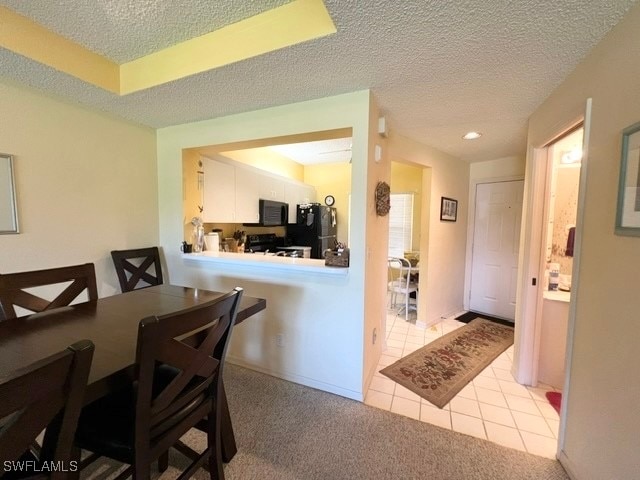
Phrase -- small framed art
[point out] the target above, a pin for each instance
(448, 209)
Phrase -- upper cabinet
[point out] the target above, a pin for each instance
(232, 191)
(219, 192)
(247, 191)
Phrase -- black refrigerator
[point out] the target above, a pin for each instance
(316, 227)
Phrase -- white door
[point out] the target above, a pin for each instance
(496, 238)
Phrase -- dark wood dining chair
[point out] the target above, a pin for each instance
(139, 273)
(13, 288)
(47, 394)
(176, 384)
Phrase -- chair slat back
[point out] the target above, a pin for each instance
(394, 270)
(47, 394)
(13, 288)
(138, 274)
(399, 272)
(193, 342)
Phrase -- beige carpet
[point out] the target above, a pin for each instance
(289, 432)
(439, 370)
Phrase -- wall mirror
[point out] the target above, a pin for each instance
(8, 207)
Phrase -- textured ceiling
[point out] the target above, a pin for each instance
(337, 150)
(438, 69)
(123, 30)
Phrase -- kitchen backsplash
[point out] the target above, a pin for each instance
(229, 228)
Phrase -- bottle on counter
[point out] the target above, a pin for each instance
(198, 239)
(554, 276)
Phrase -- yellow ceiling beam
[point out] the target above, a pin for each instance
(29, 39)
(290, 24)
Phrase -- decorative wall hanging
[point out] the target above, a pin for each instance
(448, 209)
(383, 198)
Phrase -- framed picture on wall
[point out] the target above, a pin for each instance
(8, 209)
(628, 211)
(448, 209)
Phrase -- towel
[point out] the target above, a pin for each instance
(570, 241)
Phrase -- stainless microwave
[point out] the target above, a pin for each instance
(273, 214)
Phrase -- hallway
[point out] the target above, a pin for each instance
(492, 407)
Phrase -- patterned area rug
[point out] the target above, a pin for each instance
(468, 316)
(439, 370)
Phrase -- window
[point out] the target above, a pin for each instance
(400, 224)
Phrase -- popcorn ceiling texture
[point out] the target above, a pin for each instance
(123, 30)
(437, 69)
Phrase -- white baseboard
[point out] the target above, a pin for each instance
(567, 465)
(370, 374)
(308, 382)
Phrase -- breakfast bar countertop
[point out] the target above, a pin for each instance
(307, 334)
(271, 262)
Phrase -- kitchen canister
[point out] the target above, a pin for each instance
(212, 242)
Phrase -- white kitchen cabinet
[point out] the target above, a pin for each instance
(251, 186)
(219, 192)
(248, 183)
(272, 188)
(232, 192)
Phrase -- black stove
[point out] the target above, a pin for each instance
(263, 242)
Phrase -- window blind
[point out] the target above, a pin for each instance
(400, 224)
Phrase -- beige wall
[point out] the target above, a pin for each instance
(333, 179)
(86, 184)
(268, 160)
(603, 418)
(376, 241)
(326, 347)
(441, 291)
(191, 191)
(498, 168)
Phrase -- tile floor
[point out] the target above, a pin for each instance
(492, 407)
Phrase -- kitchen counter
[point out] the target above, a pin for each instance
(267, 262)
(553, 337)
(311, 328)
(557, 295)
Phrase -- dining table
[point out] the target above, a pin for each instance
(111, 323)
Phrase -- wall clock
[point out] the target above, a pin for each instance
(329, 200)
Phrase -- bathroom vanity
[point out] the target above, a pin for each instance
(553, 338)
